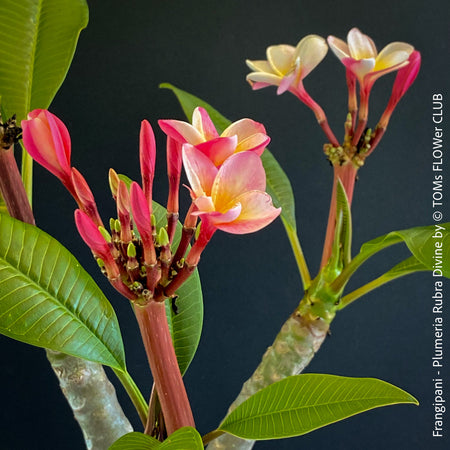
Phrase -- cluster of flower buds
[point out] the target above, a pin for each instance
(286, 67)
(227, 186)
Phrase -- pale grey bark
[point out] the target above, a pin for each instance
(292, 350)
(92, 398)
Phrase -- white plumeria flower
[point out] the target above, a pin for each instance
(286, 66)
(360, 56)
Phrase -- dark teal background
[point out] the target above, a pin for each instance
(250, 282)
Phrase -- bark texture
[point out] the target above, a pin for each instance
(294, 347)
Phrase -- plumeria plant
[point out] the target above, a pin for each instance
(150, 254)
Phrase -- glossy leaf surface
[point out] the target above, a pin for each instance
(48, 300)
(430, 245)
(38, 42)
(186, 438)
(302, 403)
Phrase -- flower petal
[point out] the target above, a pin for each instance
(219, 149)
(218, 219)
(240, 173)
(267, 79)
(200, 170)
(257, 212)
(286, 82)
(360, 45)
(255, 143)
(338, 47)
(280, 58)
(244, 128)
(260, 66)
(311, 50)
(203, 124)
(181, 131)
(359, 67)
(393, 54)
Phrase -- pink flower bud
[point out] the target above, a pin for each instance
(147, 157)
(48, 142)
(123, 211)
(142, 219)
(85, 198)
(403, 81)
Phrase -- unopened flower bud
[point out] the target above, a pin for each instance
(104, 232)
(131, 250)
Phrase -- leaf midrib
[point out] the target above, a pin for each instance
(33, 53)
(54, 299)
(286, 410)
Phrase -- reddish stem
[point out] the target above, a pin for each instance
(164, 366)
(12, 189)
(347, 175)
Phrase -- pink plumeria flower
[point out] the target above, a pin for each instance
(231, 198)
(360, 56)
(243, 135)
(286, 66)
(47, 140)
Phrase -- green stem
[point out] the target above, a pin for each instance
(358, 260)
(27, 173)
(298, 254)
(363, 290)
(134, 393)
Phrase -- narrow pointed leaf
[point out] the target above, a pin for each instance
(38, 42)
(343, 208)
(302, 403)
(430, 245)
(278, 184)
(186, 438)
(409, 265)
(186, 324)
(48, 300)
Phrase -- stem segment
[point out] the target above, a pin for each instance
(298, 254)
(172, 394)
(134, 393)
(12, 188)
(347, 175)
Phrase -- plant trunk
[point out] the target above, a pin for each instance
(294, 347)
(92, 398)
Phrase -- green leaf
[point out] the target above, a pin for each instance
(345, 220)
(278, 184)
(136, 441)
(186, 438)
(186, 325)
(302, 403)
(409, 265)
(38, 42)
(430, 245)
(47, 299)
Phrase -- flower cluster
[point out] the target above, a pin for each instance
(287, 66)
(227, 186)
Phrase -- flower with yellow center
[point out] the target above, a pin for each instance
(360, 56)
(286, 66)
